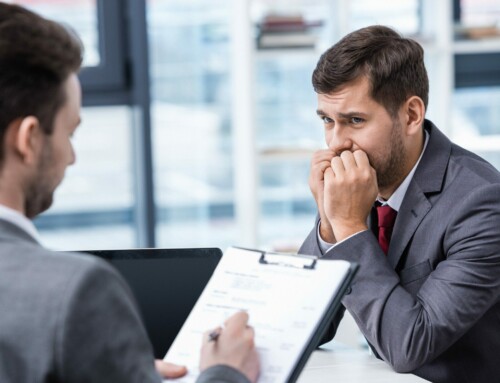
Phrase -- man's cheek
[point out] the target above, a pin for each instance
(373, 162)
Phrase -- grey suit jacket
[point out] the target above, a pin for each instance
(432, 305)
(71, 318)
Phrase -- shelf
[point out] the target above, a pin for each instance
(277, 53)
(477, 46)
(287, 153)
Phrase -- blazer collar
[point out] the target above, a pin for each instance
(428, 178)
(11, 232)
(431, 170)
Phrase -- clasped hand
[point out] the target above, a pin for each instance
(345, 188)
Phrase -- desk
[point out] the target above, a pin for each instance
(341, 364)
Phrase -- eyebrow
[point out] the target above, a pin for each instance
(345, 116)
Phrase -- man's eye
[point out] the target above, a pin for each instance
(326, 120)
(356, 120)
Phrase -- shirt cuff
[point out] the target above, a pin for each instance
(324, 246)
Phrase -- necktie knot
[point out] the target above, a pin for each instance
(386, 216)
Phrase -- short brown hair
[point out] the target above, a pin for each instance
(393, 64)
(36, 57)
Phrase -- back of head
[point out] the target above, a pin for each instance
(393, 64)
(36, 57)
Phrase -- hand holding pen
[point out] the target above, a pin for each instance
(214, 334)
(232, 345)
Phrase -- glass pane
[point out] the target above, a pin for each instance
(402, 15)
(190, 80)
(93, 208)
(475, 13)
(287, 125)
(287, 206)
(286, 101)
(81, 15)
(477, 111)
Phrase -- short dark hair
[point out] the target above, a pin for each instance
(393, 64)
(36, 57)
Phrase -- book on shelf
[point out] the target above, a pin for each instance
(477, 32)
(284, 23)
(286, 31)
(286, 40)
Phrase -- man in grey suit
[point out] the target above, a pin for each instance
(419, 214)
(68, 318)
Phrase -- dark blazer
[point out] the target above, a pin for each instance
(432, 305)
(71, 318)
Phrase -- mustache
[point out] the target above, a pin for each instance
(370, 157)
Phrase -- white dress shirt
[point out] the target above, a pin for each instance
(394, 201)
(18, 219)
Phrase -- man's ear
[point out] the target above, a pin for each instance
(27, 139)
(414, 110)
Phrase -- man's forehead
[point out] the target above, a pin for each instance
(354, 95)
(358, 87)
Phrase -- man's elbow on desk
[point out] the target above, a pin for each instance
(407, 359)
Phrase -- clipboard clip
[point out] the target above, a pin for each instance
(288, 260)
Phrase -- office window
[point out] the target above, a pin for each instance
(476, 99)
(479, 12)
(81, 15)
(475, 117)
(402, 15)
(191, 127)
(93, 207)
(288, 130)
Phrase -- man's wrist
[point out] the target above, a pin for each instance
(326, 232)
(346, 230)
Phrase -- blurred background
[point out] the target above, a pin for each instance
(199, 116)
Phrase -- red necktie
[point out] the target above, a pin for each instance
(386, 218)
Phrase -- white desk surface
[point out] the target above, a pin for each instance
(341, 364)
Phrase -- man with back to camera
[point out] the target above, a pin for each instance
(68, 318)
(419, 214)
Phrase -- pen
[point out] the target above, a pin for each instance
(212, 337)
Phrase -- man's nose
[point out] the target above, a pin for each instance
(338, 143)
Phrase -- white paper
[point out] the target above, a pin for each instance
(285, 305)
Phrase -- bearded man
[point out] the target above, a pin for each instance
(420, 214)
(69, 317)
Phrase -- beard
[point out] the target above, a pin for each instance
(391, 169)
(36, 202)
(40, 193)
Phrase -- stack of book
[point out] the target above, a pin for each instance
(477, 31)
(287, 31)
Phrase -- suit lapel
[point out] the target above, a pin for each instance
(412, 212)
(428, 178)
